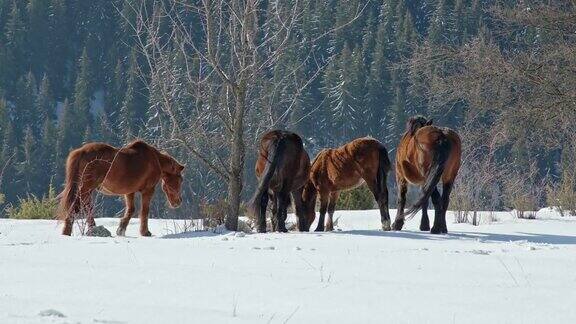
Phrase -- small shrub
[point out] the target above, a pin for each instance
(35, 208)
(563, 194)
(360, 198)
(213, 214)
(523, 192)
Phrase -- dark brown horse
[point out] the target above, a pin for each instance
(137, 167)
(282, 169)
(427, 155)
(364, 160)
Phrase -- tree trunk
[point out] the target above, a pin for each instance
(236, 163)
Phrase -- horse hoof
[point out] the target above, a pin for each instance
(425, 228)
(262, 230)
(319, 229)
(147, 233)
(435, 230)
(397, 226)
(121, 231)
(386, 226)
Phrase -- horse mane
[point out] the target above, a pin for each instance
(164, 158)
(416, 122)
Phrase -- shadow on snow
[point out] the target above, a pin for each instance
(482, 236)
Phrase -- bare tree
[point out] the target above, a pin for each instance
(209, 70)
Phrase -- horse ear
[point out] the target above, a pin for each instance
(429, 122)
(180, 167)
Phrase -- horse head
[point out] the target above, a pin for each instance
(415, 123)
(308, 204)
(172, 180)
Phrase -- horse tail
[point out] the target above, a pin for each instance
(275, 154)
(69, 200)
(439, 159)
(384, 167)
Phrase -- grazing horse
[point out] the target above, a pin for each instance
(282, 169)
(427, 154)
(364, 160)
(137, 167)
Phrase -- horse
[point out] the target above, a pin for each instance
(136, 167)
(282, 169)
(427, 154)
(364, 160)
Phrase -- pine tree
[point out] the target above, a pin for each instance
(344, 94)
(88, 135)
(48, 154)
(8, 141)
(45, 106)
(15, 30)
(133, 107)
(69, 134)
(83, 94)
(58, 54)
(38, 35)
(4, 118)
(460, 19)
(24, 111)
(474, 18)
(399, 115)
(443, 24)
(30, 171)
(379, 95)
(104, 131)
(116, 91)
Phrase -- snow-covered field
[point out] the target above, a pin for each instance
(510, 271)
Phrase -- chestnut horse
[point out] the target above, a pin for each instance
(137, 167)
(282, 169)
(427, 154)
(364, 160)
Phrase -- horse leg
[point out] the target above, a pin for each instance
(87, 210)
(68, 223)
(274, 219)
(324, 197)
(262, 214)
(402, 189)
(283, 200)
(425, 221)
(382, 200)
(446, 190)
(436, 201)
(303, 225)
(128, 212)
(331, 207)
(146, 198)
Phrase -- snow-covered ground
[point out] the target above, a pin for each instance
(510, 271)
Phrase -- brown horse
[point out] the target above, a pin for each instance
(364, 160)
(282, 169)
(137, 167)
(427, 154)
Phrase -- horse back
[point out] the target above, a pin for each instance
(131, 168)
(294, 167)
(345, 167)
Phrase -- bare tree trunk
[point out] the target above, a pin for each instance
(236, 162)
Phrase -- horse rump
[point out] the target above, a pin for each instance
(439, 158)
(257, 205)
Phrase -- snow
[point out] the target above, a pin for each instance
(510, 271)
